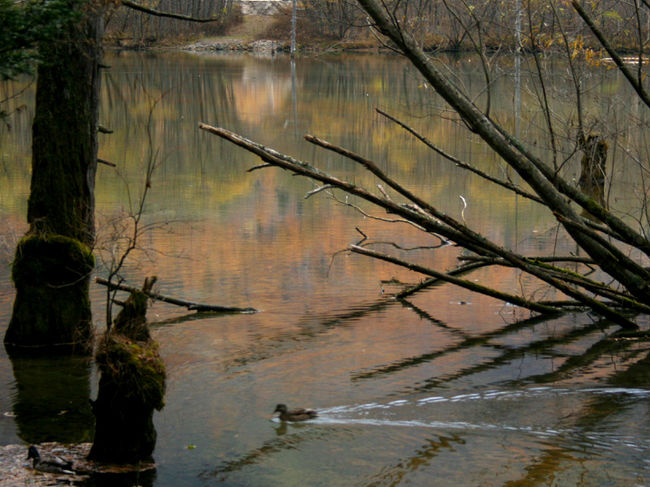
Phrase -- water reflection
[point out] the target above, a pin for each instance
(445, 387)
(560, 445)
(50, 401)
(146, 478)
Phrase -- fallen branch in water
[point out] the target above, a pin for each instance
(435, 222)
(192, 306)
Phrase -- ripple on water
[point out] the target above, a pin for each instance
(413, 413)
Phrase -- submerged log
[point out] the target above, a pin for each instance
(131, 387)
(192, 306)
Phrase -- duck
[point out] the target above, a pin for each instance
(292, 415)
(53, 464)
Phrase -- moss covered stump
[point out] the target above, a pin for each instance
(131, 387)
(52, 308)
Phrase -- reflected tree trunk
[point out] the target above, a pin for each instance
(51, 399)
(592, 168)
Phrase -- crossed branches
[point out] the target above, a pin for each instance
(587, 293)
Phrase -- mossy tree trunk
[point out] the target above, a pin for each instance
(131, 387)
(53, 261)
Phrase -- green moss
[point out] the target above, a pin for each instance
(136, 368)
(52, 306)
(131, 322)
(51, 259)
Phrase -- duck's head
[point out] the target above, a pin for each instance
(280, 408)
(32, 452)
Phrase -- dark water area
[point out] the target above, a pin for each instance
(446, 388)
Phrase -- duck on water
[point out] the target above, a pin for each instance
(293, 415)
(53, 464)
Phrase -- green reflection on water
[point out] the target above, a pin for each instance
(50, 401)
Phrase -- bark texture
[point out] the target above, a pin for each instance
(131, 387)
(61, 204)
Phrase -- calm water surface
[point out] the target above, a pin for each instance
(448, 388)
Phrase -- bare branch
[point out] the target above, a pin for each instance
(427, 217)
(259, 166)
(638, 87)
(460, 163)
(317, 190)
(170, 15)
(427, 283)
(541, 177)
(190, 305)
(472, 286)
(107, 163)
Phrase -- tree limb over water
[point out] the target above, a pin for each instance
(190, 305)
(171, 15)
(433, 221)
(606, 240)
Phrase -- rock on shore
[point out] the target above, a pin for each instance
(259, 46)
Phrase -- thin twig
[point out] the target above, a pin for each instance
(458, 162)
(317, 190)
(472, 286)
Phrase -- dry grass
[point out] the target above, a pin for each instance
(250, 28)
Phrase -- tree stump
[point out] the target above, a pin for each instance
(131, 387)
(592, 168)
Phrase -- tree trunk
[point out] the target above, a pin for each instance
(52, 267)
(132, 385)
(592, 169)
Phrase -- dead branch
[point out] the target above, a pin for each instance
(317, 190)
(170, 15)
(426, 216)
(560, 258)
(638, 87)
(472, 286)
(190, 305)
(458, 162)
(433, 281)
(272, 157)
(108, 163)
(260, 166)
(539, 175)
(598, 288)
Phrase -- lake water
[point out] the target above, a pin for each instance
(447, 388)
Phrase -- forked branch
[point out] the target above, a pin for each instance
(431, 220)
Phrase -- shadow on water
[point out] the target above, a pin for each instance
(394, 474)
(600, 410)
(506, 354)
(140, 479)
(577, 437)
(285, 440)
(50, 401)
(561, 442)
(51, 404)
(309, 329)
